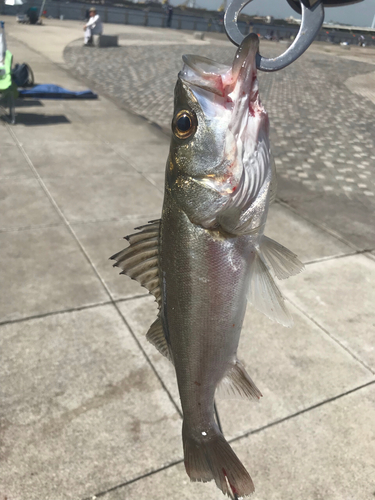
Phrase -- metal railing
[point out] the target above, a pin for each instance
(146, 17)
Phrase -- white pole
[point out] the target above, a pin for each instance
(373, 23)
(42, 8)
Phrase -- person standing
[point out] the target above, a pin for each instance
(93, 26)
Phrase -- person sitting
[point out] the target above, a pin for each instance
(93, 27)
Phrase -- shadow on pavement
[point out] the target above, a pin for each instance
(28, 103)
(33, 119)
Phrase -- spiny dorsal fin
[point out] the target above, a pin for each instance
(264, 294)
(237, 382)
(141, 258)
(156, 337)
(283, 262)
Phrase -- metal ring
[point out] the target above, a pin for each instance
(312, 20)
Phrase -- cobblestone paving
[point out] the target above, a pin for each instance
(323, 135)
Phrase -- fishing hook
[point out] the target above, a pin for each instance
(312, 20)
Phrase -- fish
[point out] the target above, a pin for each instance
(208, 256)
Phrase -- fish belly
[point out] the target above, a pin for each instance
(204, 278)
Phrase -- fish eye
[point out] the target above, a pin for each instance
(184, 124)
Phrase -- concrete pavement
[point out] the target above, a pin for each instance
(88, 407)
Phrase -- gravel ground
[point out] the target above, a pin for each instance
(323, 134)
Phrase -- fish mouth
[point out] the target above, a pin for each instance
(230, 95)
(221, 79)
(231, 88)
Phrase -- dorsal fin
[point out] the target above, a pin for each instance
(141, 258)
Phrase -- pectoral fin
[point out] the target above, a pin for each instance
(264, 294)
(237, 382)
(283, 262)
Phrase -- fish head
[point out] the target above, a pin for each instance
(217, 124)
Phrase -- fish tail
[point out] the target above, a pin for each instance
(210, 457)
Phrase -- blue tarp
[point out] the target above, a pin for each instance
(50, 91)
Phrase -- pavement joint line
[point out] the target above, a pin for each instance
(55, 313)
(126, 483)
(237, 438)
(71, 309)
(331, 336)
(319, 225)
(128, 218)
(133, 297)
(86, 256)
(340, 256)
(148, 359)
(301, 412)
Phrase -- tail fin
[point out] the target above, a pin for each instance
(210, 457)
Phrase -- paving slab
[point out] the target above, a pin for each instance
(108, 196)
(152, 157)
(339, 295)
(353, 219)
(171, 482)
(5, 136)
(83, 413)
(103, 239)
(123, 128)
(43, 271)
(326, 453)
(294, 368)
(13, 162)
(306, 240)
(323, 454)
(60, 158)
(140, 313)
(24, 203)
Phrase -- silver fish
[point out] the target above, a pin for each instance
(208, 255)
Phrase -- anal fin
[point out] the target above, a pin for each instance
(237, 382)
(156, 337)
